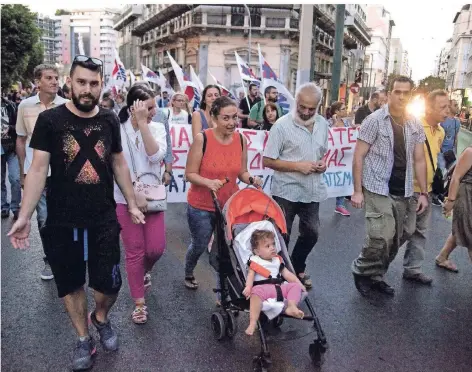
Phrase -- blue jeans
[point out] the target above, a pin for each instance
(11, 160)
(41, 216)
(340, 201)
(201, 224)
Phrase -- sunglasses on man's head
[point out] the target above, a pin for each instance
(82, 58)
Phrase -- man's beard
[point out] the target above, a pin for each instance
(273, 100)
(303, 120)
(82, 106)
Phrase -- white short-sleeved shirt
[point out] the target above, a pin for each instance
(28, 112)
(144, 162)
(289, 141)
(181, 118)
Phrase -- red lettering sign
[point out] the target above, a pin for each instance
(183, 137)
(177, 158)
(350, 133)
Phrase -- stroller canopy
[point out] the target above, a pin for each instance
(251, 205)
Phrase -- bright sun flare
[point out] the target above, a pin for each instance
(416, 107)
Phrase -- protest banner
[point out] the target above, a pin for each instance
(338, 176)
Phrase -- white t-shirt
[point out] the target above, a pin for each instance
(181, 118)
(144, 162)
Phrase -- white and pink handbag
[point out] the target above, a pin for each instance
(155, 193)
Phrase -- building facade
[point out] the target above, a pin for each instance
(206, 37)
(459, 63)
(89, 32)
(398, 60)
(47, 25)
(380, 22)
(443, 60)
(356, 38)
(128, 44)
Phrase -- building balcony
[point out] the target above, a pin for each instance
(325, 16)
(359, 28)
(129, 14)
(157, 16)
(192, 23)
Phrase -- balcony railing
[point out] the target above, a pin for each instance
(228, 21)
(130, 13)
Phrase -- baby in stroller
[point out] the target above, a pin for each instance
(267, 278)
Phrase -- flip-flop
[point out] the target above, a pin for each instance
(447, 265)
(191, 283)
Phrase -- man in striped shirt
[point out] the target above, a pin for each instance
(389, 154)
(297, 144)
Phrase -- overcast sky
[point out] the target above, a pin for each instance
(423, 29)
(423, 26)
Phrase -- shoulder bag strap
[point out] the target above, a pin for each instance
(130, 147)
(204, 143)
(430, 155)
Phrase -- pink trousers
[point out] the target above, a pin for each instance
(290, 291)
(144, 245)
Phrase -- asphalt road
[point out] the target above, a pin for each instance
(420, 329)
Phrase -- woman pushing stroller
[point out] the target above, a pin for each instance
(266, 272)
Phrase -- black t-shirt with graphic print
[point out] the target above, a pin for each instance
(80, 193)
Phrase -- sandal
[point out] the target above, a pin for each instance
(147, 281)
(306, 281)
(190, 282)
(139, 315)
(446, 265)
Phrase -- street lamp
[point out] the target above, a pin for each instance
(249, 51)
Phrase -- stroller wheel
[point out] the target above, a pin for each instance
(232, 325)
(277, 322)
(258, 365)
(316, 353)
(218, 325)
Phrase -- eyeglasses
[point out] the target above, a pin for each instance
(82, 58)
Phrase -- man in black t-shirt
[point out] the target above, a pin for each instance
(246, 104)
(81, 142)
(374, 104)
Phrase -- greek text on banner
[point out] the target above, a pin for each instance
(338, 176)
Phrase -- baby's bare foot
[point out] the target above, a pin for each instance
(294, 312)
(250, 330)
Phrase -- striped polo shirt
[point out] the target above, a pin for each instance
(28, 112)
(289, 141)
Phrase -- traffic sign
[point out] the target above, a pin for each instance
(354, 88)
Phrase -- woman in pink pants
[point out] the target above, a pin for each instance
(144, 244)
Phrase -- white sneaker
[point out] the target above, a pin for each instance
(47, 274)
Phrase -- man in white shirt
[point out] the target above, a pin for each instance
(176, 113)
(47, 79)
(295, 150)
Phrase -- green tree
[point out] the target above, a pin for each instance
(19, 36)
(431, 83)
(35, 58)
(60, 12)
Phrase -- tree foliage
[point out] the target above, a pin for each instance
(431, 83)
(35, 58)
(19, 37)
(60, 12)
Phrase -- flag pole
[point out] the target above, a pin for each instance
(242, 80)
(262, 71)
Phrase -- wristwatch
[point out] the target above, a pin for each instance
(424, 194)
